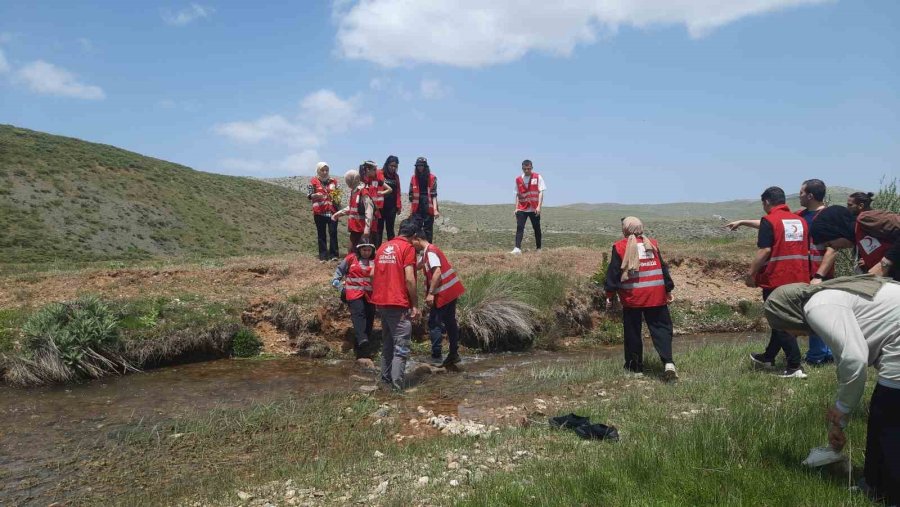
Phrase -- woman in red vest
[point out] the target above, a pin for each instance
(423, 197)
(393, 204)
(360, 211)
(641, 279)
(442, 288)
(373, 177)
(356, 273)
(320, 192)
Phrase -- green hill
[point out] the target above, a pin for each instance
(63, 198)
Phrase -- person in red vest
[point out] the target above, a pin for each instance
(356, 273)
(423, 198)
(319, 192)
(373, 177)
(394, 295)
(393, 204)
(782, 258)
(360, 211)
(838, 228)
(530, 189)
(638, 275)
(442, 288)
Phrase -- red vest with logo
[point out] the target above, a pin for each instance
(323, 205)
(389, 277)
(415, 194)
(789, 260)
(648, 289)
(358, 282)
(356, 221)
(870, 249)
(449, 287)
(529, 194)
(816, 251)
(376, 185)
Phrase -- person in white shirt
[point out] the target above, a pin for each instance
(530, 189)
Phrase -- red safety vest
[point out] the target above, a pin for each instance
(789, 260)
(389, 277)
(816, 251)
(530, 194)
(323, 205)
(356, 221)
(358, 282)
(869, 248)
(415, 194)
(375, 185)
(450, 286)
(649, 288)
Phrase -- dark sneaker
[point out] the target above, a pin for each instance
(451, 360)
(761, 361)
(793, 373)
(569, 421)
(437, 361)
(598, 432)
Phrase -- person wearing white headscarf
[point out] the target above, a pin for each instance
(640, 278)
(321, 191)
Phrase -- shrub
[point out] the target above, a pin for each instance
(497, 311)
(246, 343)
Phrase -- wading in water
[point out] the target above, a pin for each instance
(355, 271)
(640, 277)
(442, 288)
(322, 191)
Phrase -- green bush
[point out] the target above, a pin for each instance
(246, 343)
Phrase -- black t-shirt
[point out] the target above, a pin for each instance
(390, 200)
(766, 236)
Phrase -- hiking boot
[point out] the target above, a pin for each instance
(598, 432)
(670, 375)
(516, 251)
(570, 421)
(761, 361)
(793, 373)
(451, 360)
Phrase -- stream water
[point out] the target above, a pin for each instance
(45, 431)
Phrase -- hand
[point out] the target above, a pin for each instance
(437, 214)
(836, 417)
(670, 297)
(609, 304)
(815, 281)
(836, 438)
(749, 281)
(537, 212)
(877, 270)
(429, 300)
(414, 313)
(336, 284)
(733, 226)
(334, 218)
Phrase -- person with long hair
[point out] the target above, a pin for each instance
(640, 278)
(423, 197)
(393, 204)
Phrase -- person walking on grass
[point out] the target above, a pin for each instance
(812, 198)
(321, 191)
(394, 295)
(859, 318)
(442, 288)
(530, 189)
(355, 271)
(423, 197)
(393, 204)
(373, 177)
(360, 211)
(782, 258)
(640, 277)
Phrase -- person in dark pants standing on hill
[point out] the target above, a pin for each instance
(530, 189)
(393, 204)
(321, 192)
(641, 279)
(423, 197)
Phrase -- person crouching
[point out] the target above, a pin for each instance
(356, 272)
(641, 279)
(442, 288)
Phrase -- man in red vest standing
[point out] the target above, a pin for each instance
(423, 199)
(782, 258)
(530, 189)
(442, 288)
(394, 294)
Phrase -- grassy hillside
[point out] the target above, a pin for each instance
(63, 198)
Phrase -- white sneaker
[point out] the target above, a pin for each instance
(821, 456)
(516, 251)
(670, 375)
(793, 373)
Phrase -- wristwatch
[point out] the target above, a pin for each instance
(818, 276)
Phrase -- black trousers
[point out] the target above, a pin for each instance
(386, 225)
(660, 324)
(440, 320)
(326, 224)
(882, 466)
(362, 314)
(521, 217)
(427, 224)
(782, 340)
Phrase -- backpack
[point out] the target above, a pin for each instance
(880, 224)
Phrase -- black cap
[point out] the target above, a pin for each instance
(422, 161)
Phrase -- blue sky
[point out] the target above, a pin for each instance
(615, 100)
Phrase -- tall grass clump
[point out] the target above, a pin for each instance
(246, 343)
(64, 342)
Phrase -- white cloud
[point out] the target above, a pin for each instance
(46, 78)
(275, 128)
(433, 89)
(4, 65)
(474, 33)
(187, 15)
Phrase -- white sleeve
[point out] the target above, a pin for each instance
(541, 185)
(433, 260)
(837, 326)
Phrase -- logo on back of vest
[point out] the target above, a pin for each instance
(869, 244)
(793, 230)
(643, 253)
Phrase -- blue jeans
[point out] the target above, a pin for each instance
(818, 350)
